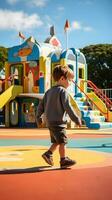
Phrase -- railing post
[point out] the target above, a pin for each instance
(76, 88)
(107, 114)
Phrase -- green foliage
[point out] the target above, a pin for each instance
(3, 56)
(99, 62)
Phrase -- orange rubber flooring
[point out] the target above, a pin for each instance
(86, 183)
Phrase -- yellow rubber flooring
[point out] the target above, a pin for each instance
(30, 156)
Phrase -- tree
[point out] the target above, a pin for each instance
(3, 56)
(99, 62)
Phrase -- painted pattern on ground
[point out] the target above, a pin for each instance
(17, 157)
(25, 152)
(96, 144)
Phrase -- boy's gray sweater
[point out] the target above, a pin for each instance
(56, 105)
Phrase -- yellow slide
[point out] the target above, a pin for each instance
(10, 94)
(101, 105)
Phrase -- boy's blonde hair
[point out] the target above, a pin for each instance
(64, 71)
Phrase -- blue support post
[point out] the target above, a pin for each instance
(76, 89)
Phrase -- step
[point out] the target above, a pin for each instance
(90, 119)
(102, 125)
(83, 108)
(80, 103)
(86, 113)
(80, 95)
(79, 99)
(94, 112)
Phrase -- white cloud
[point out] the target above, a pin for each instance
(12, 1)
(86, 2)
(18, 20)
(87, 28)
(75, 25)
(37, 3)
(61, 8)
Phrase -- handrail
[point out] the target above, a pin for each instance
(92, 100)
(107, 92)
(6, 79)
(9, 78)
(99, 92)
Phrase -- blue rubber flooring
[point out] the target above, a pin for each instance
(98, 144)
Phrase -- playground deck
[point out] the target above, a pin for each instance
(24, 174)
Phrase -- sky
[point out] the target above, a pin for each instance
(90, 21)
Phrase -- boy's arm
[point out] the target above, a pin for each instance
(69, 109)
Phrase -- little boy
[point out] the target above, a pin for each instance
(55, 106)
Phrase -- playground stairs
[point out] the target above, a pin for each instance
(91, 117)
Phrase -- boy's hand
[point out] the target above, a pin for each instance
(39, 122)
(80, 124)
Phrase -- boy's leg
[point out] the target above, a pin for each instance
(47, 156)
(62, 149)
(65, 161)
(53, 147)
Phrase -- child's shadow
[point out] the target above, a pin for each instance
(31, 170)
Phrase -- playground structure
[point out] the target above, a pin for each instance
(28, 76)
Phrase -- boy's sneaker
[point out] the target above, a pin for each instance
(67, 162)
(48, 158)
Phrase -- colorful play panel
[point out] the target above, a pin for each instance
(25, 175)
(28, 76)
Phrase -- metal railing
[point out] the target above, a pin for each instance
(107, 92)
(98, 92)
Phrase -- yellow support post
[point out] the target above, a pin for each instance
(63, 61)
